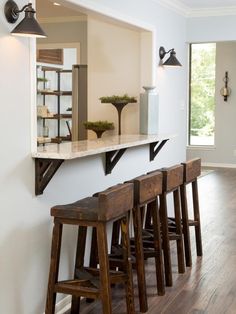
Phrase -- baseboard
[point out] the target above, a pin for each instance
(63, 305)
(218, 165)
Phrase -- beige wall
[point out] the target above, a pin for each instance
(114, 68)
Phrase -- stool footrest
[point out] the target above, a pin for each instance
(77, 287)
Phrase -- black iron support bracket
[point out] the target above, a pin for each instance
(155, 147)
(112, 159)
(44, 171)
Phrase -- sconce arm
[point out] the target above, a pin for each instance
(24, 7)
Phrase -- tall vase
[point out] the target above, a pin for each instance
(149, 111)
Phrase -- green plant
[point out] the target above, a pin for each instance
(42, 79)
(99, 125)
(118, 99)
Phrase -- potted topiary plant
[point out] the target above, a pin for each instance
(99, 127)
(119, 102)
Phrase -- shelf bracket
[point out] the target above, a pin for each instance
(112, 159)
(44, 171)
(155, 147)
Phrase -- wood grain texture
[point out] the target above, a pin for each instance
(210, 285)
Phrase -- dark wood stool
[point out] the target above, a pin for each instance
(146, 190)
(89, 282)
(192, 169)
(172, 180)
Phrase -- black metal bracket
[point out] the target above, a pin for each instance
(155, 148)
(112, 159)
(44, 171)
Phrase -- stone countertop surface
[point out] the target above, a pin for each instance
(72, 150)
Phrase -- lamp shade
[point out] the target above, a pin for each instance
(29, 26)
(172, 60)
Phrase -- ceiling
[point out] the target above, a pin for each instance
(46, 9)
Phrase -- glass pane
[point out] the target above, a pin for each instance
(202, 94)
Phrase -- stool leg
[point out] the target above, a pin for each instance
(165, 240)
(197, 218)
(140, 260)
(94, 249)
(105, 288)
(148, 219)
(185, 223)
(127, 259)
(115, 234)
(157, 247)
(180, 251)
(79, 263)
(54, 267)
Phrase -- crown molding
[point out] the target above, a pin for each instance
(178, 7)
(216, 11)
(62, 19)
(175, 6)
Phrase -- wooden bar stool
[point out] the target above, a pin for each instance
(192, 169)
(89, 282)
(146, 190)
(172, 180)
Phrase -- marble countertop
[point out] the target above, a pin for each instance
(72, 150)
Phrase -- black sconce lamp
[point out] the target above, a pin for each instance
(225, 91)
(28, 26)
(172, 60)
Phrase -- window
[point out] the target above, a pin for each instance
(202, 94)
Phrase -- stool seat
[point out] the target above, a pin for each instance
(110, 204)
(84, 209)
(172, 177)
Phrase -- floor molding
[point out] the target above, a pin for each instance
(218, 165)
(63, 305)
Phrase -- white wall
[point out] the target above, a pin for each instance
(25, 232)
(211, 29)
(225, 112)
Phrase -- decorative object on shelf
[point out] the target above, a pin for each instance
(172, 60)
(28, 26)
(43, 112)
(119, 102)
(45, 131)
(99, 127)
(225, 91)
(46, 84)
(149, 111)
(69, 109)
(51, 56)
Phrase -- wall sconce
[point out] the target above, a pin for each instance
(172, 60)
(28, 26)
(225, 91)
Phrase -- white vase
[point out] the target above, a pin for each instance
(149, 111)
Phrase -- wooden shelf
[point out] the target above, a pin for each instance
(56, 93)
(59, 116)
(58, 140)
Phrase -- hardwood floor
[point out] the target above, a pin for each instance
(209, 286)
